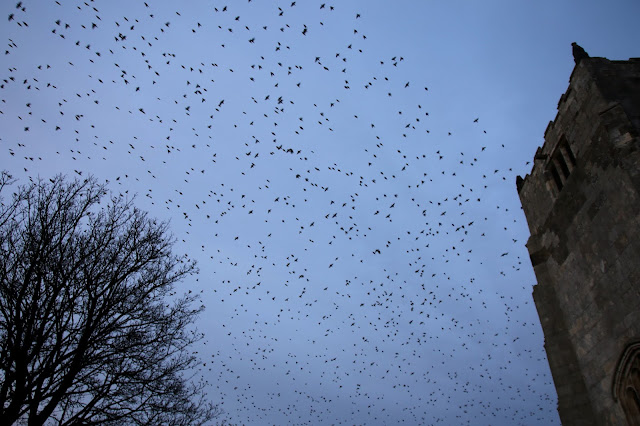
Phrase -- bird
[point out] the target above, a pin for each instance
(338, 243)
(578, 53)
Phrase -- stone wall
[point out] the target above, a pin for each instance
(582, 203)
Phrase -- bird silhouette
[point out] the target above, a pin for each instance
(355, 265)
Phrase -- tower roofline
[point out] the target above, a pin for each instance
(594, 67)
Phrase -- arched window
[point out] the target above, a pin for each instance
(626, 383)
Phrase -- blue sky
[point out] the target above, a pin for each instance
(358, 233)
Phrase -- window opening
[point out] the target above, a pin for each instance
(566, 149)
(561, 165)
(556, 178)
(626, 383)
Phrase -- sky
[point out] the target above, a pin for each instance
(343, 173)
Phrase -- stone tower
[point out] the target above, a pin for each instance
(582, 204)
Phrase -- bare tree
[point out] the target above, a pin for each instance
(91, 331)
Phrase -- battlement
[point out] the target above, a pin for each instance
(602, 96)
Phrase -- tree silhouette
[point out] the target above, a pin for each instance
(91, 331)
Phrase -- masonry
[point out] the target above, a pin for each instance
(582, 204)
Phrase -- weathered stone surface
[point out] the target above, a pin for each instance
(582, 203)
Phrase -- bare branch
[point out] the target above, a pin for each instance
(89, 332)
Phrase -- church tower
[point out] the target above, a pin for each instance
(582, 204)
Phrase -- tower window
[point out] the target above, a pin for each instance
(566, 150)
(561, 165)
(626, 383)
(556, 178)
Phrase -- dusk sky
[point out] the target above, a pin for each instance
(343, 173)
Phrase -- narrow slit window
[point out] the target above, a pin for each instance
(556, 178)
(572, 157)
(563, 165)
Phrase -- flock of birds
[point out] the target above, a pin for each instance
(361, 261)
